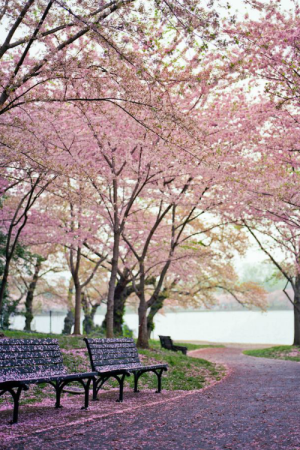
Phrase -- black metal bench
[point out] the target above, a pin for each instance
(35, 361)
(167, 343)
(118, 358)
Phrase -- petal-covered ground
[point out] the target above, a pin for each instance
(256, 406)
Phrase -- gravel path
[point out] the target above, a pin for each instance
(257, 406)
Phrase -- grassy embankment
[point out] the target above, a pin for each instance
(286, 352)
(185, 373)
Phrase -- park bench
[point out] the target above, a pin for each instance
(167, 343)
(35, 361)
(118, 358)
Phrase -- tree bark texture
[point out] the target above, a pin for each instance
(4, 283)
(297, 311)
(142, 341)
(89, 311)
(77, 308)
(122, 292)
(68, 322)
(111, 288)
(155, 307)
(30, 295)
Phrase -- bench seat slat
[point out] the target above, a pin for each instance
(45, 367)
(128, 367)
(150, 367)
(40, 378)
(114, 356)
(111, 341)
(42, 341)
(123, 358)
(116, 368)
(28, 362)
(27, 348)
(107, 362)
(112, 346)
(28, 355)
(111, 351)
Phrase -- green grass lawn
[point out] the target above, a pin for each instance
(286, 352)
(185, 373)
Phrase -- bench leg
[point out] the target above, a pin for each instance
(86, 393)
(136, 379)
(97, 385)
(158, 373)
(16, 397)
(58, 388)
(95, 392)
(121, 383)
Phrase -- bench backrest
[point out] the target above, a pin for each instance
(30, 358)
(112, 353)
(166, 342)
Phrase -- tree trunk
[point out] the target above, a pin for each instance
(111, 288)
(142, 341)
(30, 296)
(297, 311)
(87, 321)
(69, 319)
(9, 308)
(4, 283)
(68, 322)
(157, 305)
(86, 324)
(122, 292)
(89, 314)
(77, 308)
(119, 310)
(93, 312)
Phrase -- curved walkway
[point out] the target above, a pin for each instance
(257, 406)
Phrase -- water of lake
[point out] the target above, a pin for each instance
(249, 327)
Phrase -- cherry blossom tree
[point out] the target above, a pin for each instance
(54, 44)
(128, 162)
(58, 53)
(23, 181)
(267, 55)
(196, 280)
(151, 129)
(175, 242)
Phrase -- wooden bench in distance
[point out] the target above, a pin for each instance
(118, 358)
(167, 343)
(35, 361)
